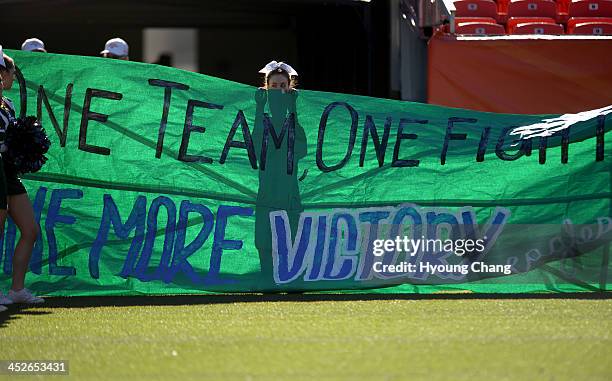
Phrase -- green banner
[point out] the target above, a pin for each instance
(162, 181)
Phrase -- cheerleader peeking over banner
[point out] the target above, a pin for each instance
(278, 177)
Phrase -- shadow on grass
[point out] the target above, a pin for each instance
(15, 311)
(179, 300)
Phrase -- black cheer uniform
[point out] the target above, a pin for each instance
(11, 178)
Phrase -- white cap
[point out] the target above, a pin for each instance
(33, 45)
(2, 63)
(116, 47)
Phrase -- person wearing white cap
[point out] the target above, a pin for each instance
(14, 196)
(116, 48)
(33, 45)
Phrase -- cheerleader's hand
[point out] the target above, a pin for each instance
(261, 96)
(293, 94)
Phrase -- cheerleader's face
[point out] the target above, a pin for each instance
(279, 82)
(7, 78)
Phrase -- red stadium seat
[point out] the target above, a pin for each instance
(446, 27)
(534, 25)
(502, 5)
(502, 10)
(460, 20)
(475, 19)
(597, 26)
(476, 8)
(563, 5)
(562, 10)
(538, 28)
(592, 28)
(479, 28)
(512, 22)
(590, 8)
(577, 20)
(532, 8)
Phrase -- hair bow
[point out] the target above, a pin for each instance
(273, 65)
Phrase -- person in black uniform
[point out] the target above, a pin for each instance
(4, 120)
(14, 196)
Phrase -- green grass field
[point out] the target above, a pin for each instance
(317, 337)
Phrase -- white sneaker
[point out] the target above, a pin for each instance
(4, 299)
(3, 308)
(24, 296)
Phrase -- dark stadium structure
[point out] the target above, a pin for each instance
(339, 46)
